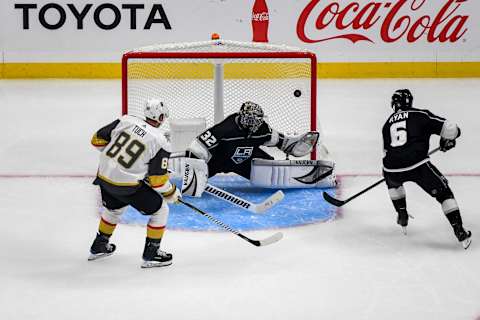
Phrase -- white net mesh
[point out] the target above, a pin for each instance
(281, 86)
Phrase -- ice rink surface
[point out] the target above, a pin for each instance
(358, 266)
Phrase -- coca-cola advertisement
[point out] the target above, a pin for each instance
(385, 21)
(340, 31)
(260, 21)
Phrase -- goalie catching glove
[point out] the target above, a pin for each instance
(299, 146)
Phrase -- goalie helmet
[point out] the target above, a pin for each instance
(156, 111)
(402, 99)
(251, 116)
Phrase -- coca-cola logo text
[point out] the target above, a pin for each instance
(351, 19)
(262, 16)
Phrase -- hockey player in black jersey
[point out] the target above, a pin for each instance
(233, 144)
(406, 136)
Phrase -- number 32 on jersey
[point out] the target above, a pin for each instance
(209, 139)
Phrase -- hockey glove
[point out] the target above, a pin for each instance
(447, 144)
(172, 195)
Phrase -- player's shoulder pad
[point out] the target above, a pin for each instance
(427, 113)
(127, 117)
(166, 145)
(161, 140)
(226, 128)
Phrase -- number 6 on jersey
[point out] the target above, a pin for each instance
(398, 134)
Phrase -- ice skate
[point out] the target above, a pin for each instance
(154, 257)
(463, 236)
(101, 248)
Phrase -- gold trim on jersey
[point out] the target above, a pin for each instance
(118, 184)
(157, 181)
(169, 192)
(98, 142)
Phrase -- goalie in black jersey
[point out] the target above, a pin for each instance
(233, 145)
(406, 137)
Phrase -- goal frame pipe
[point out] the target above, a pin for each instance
(228, 55)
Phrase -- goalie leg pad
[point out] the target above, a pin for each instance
(293, 173)
(194, 177)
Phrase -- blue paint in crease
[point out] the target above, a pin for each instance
(299, 207)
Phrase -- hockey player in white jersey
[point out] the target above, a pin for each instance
(133, 171)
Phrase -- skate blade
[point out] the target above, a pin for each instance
(466, 243)
(155, 264)
(97, 256)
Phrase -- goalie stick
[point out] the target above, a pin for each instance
(242, 203)
(339, 203)
(259, 243)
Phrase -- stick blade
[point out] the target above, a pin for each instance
(272, 239)
(332, 200)
(270, 202)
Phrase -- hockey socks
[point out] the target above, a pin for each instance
(106, 228)
(155, 232)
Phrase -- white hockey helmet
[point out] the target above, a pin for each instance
(155, 110)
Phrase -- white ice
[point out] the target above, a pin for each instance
(358, 266)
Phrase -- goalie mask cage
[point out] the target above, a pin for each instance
(212, 79)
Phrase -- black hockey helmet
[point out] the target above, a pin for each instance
(402, 99)
(251, 116)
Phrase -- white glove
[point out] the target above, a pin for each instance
(173, 195)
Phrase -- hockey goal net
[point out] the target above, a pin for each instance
(210, 80)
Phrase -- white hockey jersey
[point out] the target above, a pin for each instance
(132, 151)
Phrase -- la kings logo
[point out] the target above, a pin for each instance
(242, 154)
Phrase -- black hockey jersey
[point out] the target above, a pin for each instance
(230, 144)
(406, 138)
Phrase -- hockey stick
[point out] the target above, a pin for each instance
(339, 203)
(265, 242)
(242, 203)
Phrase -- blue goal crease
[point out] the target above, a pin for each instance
(299, 207)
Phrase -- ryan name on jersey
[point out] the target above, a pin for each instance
(398, 116)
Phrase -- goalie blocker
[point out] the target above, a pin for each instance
(293, 173)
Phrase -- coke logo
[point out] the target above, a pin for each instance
(385, 16)
(262, 16)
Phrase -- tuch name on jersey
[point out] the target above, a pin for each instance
(139, 131)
